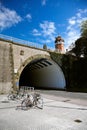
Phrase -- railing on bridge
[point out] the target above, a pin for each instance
(24, 42)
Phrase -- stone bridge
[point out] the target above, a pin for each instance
(22, 65)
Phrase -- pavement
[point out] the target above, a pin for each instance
(55, 115)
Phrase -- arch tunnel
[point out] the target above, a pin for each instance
(42, 73)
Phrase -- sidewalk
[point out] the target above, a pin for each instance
(56, 115)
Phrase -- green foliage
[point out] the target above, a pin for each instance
(56, 57)
(84, 28)
(80, 48)
(74, 69)
(45, 46)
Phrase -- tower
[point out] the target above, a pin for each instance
(59, 44)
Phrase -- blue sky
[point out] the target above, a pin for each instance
(40, 21)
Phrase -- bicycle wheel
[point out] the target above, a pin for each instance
(11, 97)
(24, 105)
(40, 103)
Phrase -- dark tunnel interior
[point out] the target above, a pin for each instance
(42, 73)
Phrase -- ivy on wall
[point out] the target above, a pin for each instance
(74, 69)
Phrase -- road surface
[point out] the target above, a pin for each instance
(73, 97)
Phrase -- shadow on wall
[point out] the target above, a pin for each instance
(75, 71)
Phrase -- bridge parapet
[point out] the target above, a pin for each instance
(24, 42)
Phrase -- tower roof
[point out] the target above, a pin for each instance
(59, 38)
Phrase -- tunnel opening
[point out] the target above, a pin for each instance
(43, 74)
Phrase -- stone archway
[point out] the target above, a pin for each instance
(41, 72)
(23, 65)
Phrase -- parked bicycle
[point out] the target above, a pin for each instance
(28, 97)
(32, 100)
(16, 95)
(21, 93)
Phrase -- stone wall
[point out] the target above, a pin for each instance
(22, 52)
(12, 57)
(5, 68)
(74, 69)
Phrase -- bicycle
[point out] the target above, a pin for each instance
(32, 100)
(15, 95)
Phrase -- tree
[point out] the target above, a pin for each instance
(80, 48)
(71, 46)
(84, 28)
(45, 46)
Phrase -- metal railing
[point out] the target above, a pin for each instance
(24, 42)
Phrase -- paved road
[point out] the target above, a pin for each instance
(73, 97)
(56, 115)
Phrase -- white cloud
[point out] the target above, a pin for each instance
(46, 31)
(29, 17)
(8, 17)
(48, 28)
(82, 11)
(72, 21)
(36, 32)
(43, 2)
(78, 15)
(71, 36)
(73, 28)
